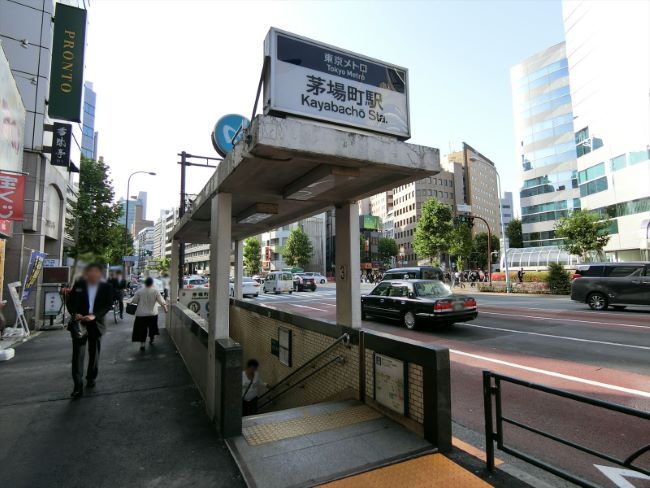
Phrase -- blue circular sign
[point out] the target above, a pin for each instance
(225, 130)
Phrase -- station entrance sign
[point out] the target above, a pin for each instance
(319, 81)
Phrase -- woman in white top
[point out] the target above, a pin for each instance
(146, 315)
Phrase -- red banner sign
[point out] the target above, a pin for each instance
(12, 196)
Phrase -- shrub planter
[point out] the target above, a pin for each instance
(530, 287)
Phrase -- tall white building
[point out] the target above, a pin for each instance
(608, 51)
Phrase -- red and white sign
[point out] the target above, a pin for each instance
(4, 227)
(12, 196)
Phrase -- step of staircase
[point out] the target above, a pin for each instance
(314, 444)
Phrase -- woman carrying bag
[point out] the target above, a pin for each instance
(146, 301)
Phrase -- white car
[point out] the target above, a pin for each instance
(249, 287)
(318, 278)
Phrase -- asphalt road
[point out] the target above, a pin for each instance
(546, 340)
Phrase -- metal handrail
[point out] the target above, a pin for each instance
(337, 359)
(345, 337)
(491, 391)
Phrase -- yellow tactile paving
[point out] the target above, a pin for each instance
(433, 470)
(261, 434)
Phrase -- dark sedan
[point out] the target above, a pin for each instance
(415, 301)
(302, 282)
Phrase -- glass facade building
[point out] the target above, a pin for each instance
(546, 145)
(88, 134)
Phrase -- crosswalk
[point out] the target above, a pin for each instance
(296, 296)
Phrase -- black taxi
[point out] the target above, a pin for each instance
(415, 301)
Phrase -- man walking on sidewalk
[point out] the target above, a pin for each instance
(88, 303)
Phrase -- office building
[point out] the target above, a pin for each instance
(546, 146)
(143, 249)
(88, 134)
(407, 208)
(26, 33)
(507, 208)
(273, 243)
(137, 213)
(608, 51)
(475, 185)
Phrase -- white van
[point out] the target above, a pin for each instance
(278, 282)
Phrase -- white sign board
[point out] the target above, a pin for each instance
(389, 383)
(319, 81)
(50, 263)
(464, 208)
(196, 299)
(53, 303)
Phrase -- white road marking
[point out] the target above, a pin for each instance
(311, 308)
(554, 374)
(587, 311)
(556, 336)
(563, 319)
(618, 475)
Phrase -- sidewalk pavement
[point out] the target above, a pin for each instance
(143, 425)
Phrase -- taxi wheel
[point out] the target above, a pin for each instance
(409, 320)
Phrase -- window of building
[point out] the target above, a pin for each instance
(639, 156)
(594, 186)
(591, 173)
(618, 162)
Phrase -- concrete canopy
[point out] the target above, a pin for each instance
(285, 170)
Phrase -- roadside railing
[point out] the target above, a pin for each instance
(495, 420)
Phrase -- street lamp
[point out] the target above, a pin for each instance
(128, 197)
(503, 233)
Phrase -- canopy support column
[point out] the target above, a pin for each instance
(348, 272)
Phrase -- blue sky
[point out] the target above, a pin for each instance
(165, 71)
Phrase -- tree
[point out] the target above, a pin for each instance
(583, 232)
(115, 249)
(558, 279)
(514, 234)
(252, 255)
(461, 244)
(162, 265)
(93, 216)
(434, 230)
(298, 250)
(387, 249)
(480, 249)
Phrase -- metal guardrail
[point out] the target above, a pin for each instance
(345, 338)
(492, 391)
(337, 359)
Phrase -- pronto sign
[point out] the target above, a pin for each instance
(66, 74)
(315, 80)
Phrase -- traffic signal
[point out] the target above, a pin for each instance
(464, 219)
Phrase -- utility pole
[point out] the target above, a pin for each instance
(183, 201)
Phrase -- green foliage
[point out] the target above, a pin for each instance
(387, 249)
(558, 279)
(583, 233)
(298, 250)
(461, 243)
(434, 230)
(480, 249)
(514, 234)
(162, 265)
(115, 250)
(252, 255)
(93, 217)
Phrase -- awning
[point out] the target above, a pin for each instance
(285, 170)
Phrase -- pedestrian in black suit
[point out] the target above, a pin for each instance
(89, 300)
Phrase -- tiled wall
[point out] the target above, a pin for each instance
(338, 381)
